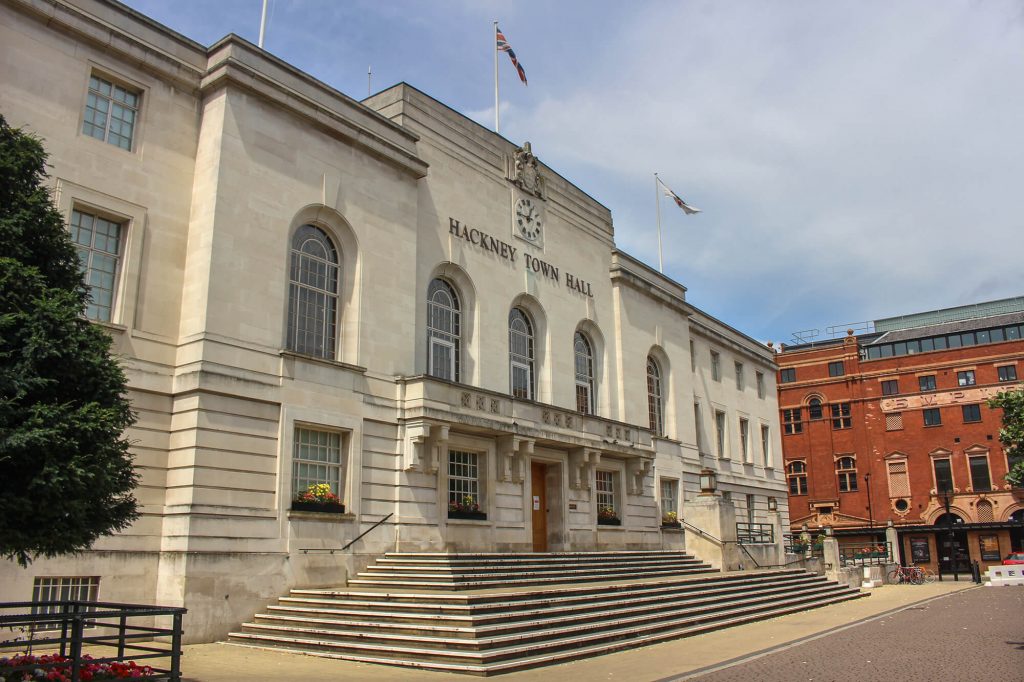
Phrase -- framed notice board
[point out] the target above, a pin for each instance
(919, 551)
(989, 547)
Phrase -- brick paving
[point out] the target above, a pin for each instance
(970, 635)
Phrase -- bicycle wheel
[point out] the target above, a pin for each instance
(894, 577)
(916, 576)
(929, 575)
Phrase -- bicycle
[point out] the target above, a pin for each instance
(929, 575)
(906, 575)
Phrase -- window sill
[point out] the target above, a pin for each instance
(323, 361)
(319, 516)
(455, 521)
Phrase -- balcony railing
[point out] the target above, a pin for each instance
(794, 544)
(864, 553)
(755, 533)
(112, 631)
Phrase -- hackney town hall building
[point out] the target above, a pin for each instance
(381, 296)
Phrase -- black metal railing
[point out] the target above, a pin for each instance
(795, 544)
(755, 533)
(331, 550)
(864, 553)
(111, 631)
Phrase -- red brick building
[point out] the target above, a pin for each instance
(893, 426)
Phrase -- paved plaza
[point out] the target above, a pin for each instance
(942, 631)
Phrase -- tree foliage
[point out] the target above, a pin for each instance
(1011, 435)
(66, 477)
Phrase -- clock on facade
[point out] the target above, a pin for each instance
(528, 219)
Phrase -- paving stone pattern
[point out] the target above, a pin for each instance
(972, 635)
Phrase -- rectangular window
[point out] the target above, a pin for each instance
(98, 242)
(846, 473)
(520, 380)
(605, 487)
(791, 421)
(1007, 373)
(841, 418)
(317, 459)
(891, 387)
(759, 378)
(745, 440)
(989, 545)
(739, 376)
(899, 482)
(669, 500)
(464, 480)
(980, 479)
(697, 428)
(766, 441)
(972, 413)
(965, 378)
(716, 366)
(110, 112)
(76, 588)
(836, 369)
(932, 417)
(926, 383)
(720, 433)
(751, 508)
(787, 376)
(894, 421)
(943, 475)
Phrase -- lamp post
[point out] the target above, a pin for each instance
(871, 513)
(947, 494)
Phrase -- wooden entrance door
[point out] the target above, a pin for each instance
(539, 504)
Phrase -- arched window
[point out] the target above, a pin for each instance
(846, 473)
(655, 413)
(797, 474)
(814, 408)
(443, 331)
(584, 374)
(313, 293)
(520, 354)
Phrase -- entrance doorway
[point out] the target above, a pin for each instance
(539, 505)
(953, 552)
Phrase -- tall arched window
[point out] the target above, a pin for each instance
(443, 331)
(584, 374)
(814, 408)
(796, 472)
(655, 413)
(520, 354)
(313, 293)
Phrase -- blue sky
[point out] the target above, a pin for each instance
(853, 159)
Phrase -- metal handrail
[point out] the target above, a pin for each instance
(357, 539)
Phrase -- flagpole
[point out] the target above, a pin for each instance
(657, 202)
(495, 41)
(263, 22)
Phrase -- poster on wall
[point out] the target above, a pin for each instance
(919, 551)
(989, 547)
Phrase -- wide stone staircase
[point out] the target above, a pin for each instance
(486, 614)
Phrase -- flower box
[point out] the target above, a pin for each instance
(671, 524)
(324, 507)
(461, 514)
(609, 522)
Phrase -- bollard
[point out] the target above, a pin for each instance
(976, 572)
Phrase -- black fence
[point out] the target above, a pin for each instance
(755, 533)
(795, 544)
(864, 553)
(62, 629)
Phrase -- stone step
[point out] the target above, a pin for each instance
(533, 566)
(539, 623)
(510, 657)
(427, 581)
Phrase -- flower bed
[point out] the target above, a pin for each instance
(58, 668)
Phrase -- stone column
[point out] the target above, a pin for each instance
(830, 557)
(717, 519)
(893, 538)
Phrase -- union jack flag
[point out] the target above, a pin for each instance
(503, 46)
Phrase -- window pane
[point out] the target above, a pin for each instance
(980, 480)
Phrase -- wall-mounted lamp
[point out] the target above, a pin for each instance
(708, 484)
(773, 504)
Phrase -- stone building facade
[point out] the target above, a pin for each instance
(382, 296)
(879, 427)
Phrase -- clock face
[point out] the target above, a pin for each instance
(528, 220)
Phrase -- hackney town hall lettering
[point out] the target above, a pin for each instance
(508, 252)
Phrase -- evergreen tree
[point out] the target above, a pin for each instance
(66, 477)
(1012, 433)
